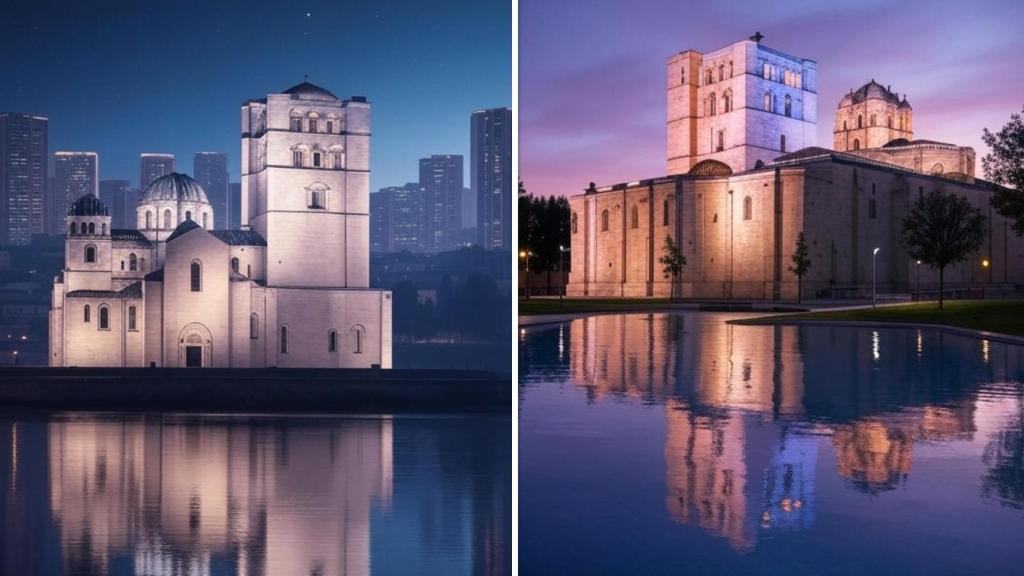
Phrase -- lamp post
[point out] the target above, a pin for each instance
(561, 273)
(918, 278)
(874, 276)
(525, 255)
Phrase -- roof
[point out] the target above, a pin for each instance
(154, 276)
(873, 90)
(88, 205)
(174, 186)
(309, 91)
(904, 142)
(123, 238)
(710, 167)
(239, 237)
(131, 291)
(184, 227)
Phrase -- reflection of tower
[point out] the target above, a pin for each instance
(789, 485)
(871, 455)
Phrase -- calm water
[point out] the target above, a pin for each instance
(654, 444)
(165, 494)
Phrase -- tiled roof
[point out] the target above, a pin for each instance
(88, 205)
(710, 167)
(307, 90)
(123, 238)
(174, 186)
(132, 291)
(155, 276)
(239, 237)
(182, 228)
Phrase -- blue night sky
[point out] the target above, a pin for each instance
(122, 78)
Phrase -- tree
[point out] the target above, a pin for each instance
(801, 264)
(1005, 165)
(673, 261)
(942, 229)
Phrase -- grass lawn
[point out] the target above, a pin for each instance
(577, 305)
(1003, 316)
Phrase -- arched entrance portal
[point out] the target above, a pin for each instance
(194, 346)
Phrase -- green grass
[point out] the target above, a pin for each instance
(546, 305)
(1003, 316)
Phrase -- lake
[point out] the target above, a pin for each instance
(678, 443)
(134, 494)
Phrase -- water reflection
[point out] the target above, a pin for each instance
(221, 495)
(754, 416)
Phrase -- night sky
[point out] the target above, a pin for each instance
(592, 73)
(121, 78)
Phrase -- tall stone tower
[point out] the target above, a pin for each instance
(306, 186)
(741, 104)
(870, 117)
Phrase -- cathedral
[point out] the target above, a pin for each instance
(745, 177)
(289, 289)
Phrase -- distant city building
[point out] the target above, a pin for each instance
(491, 175)
(468, 204)
(441, 182)
(23, 178)
(120, 198)
(235, 202)
(210, 169)
(396, 218)
(153, 166)
(75, 174)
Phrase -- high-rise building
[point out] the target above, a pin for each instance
(468, 208)
(210, 169)
(121, 200)
(23, 178)
(75, 174)
(396, 219)
(235, 202)
(153, 166)
(491, 175)
(441, 183)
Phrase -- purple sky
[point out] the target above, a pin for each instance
(592, 78)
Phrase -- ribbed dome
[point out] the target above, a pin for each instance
(710, 168)
(871, 90)
(174, 186)
(88, 205)
(307, 91)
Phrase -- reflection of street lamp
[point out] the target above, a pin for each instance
(15, 356)
(874, 293)
(561, 271)
(525, 255)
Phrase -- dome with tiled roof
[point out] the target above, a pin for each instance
(874, 91)
(174, 186)
(88, 205)
(309, 91)
(710, 168)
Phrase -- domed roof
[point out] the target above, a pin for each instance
(710, 168)
(174, 186)
(871, 90)
(896, 142)
(308, 91)
(88, 205)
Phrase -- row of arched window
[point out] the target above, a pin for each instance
(785, 76)
(634, 214)
(873, 121)
(711, 103)
(134, 263)
(358, 336)
(769, 103)
(104, 317)
(304, 157)
(709, 73)
(86, 228)
(169, 221)
(312, 122)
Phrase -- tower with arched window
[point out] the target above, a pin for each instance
(871, 117)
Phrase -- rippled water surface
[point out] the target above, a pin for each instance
(220, 495)
(656, 444)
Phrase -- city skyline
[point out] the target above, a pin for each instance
(202, 83)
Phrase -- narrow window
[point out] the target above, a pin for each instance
(711, 103)
(87, 313)
(167, 218)
(789, 106)
(604, 221)
(721, 140)
(131, 318)
(254, 326)
(767, 101)
(766, 72)
(332, 341)
(782, 142)
(197, 276)
(359, 339)
(728, 102)
(149, 219)
(873, 119)
(92, 227)
(90, 253)
(206, 219)
(71, 228)
(104, 318)
(284, 339)
(330, 127)
(316, 159)
(312, 124)
(142, 264)
(856, 144)
(316, 199)
(634, 217)
(707, 77)
(574, 224)
(664, 212)
(730, 68)
(133, 262)
(122, 264)
(104, 229)
(872, 208)
(296, 125)
(248, 270)
(748, 208)
(721, 72)
(844, 125)
(337, 161)
(297, 158)
(682, 76)
(188, 214)
(860, 121)
(234, 264)
(888, 121)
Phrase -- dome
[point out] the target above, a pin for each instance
(174, 186)
(307, 91)
(88, 205)
(896, 142)
(873, 91)
(710, 168)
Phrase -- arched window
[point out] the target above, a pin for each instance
(167, 218)
(332, 340)
(682, 75)
(707, 77)
(574, 223)
(254, 326)
(730, 68)
(604, 221)
(844, 124)
(721, 72)
(664, 212)
(297, 158)
(748, 208)
(711, 104)
(149, 219)
(197, 276)
(142, 264)
(336, 160)
(296, 124)
(888, 121)
(727, 104)
(131, 318)
(90, 253)
(234, 264)
(122, 264)
(188, 214)
(860, 121)
(767, 101)
(71, 228)
(87, 313)
(789, 106)
(856, 144)
(92, 227)
(206, 219)
(873, 119)
(284, 339)
(104, 229)
(133, 262)
(634, 217)
(104, 318)
(782, 142)
(358, 333)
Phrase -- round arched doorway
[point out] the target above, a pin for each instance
(194, 346)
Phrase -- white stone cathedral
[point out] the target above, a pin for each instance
(290, 289)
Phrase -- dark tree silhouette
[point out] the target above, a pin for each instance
(1005, 165)
(801, 264)
(673, 261)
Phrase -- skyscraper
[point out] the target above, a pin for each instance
(491, 175)
(396, 219)
(75, 175)
(441, 182)
(235, 202)
(23, 178)
(121, 199)
(153, 166)
(210, 169)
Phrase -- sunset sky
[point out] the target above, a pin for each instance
(592, 78)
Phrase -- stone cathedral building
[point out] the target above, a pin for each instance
(290, 289)
(745, 177)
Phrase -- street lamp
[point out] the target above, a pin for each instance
(525, 255)
(874, 276)
(919, 278)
